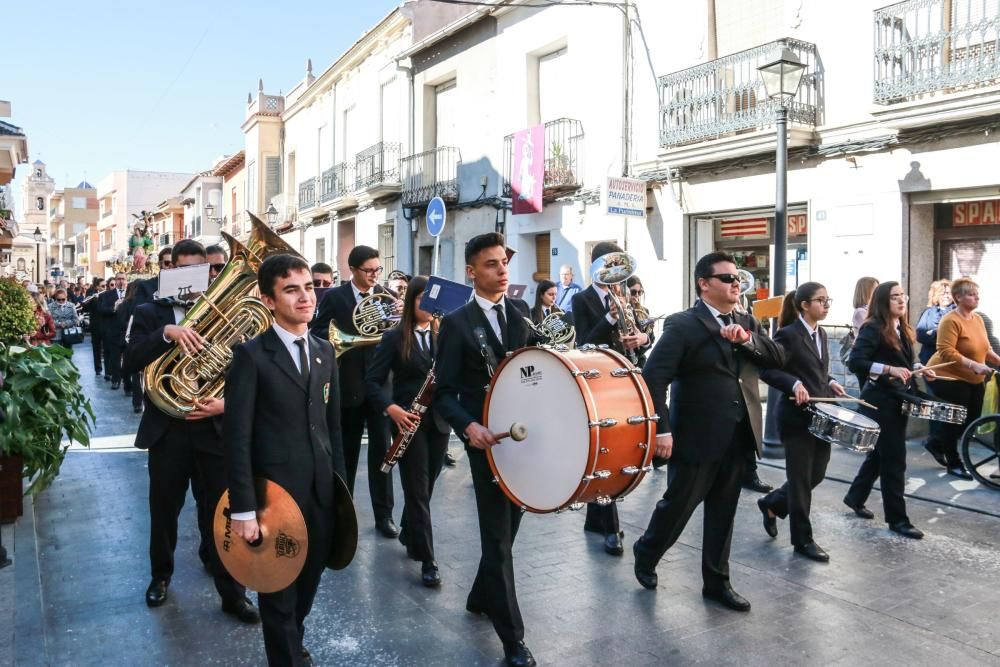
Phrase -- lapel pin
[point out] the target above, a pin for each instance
(318, 362)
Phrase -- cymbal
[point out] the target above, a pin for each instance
(345, 527)
(275, 561)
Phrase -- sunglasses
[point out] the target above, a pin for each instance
(60, 300)
(217, 267)
(728, 278)
(322, 283)
(636, 292)
(167, 264)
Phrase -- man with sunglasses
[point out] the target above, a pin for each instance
(710, 357)
(357, 412)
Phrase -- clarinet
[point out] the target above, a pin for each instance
(421, 402)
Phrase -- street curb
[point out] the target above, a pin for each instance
(29, 615)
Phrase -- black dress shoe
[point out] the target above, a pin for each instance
(934, 451)
(242, 609)
(727, 597)
(959, 471)
(755, 483)
(645, 574)
(156, 594)
(307, 658)
(387, 527)
(613, 543)
(860, 510)
(770, 523)
(906, 529)
(813, 551)
(115, 385)
(450, 460)
(429, 574)
(518, 655)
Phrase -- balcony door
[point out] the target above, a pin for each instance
(556, 87)
(446, 115)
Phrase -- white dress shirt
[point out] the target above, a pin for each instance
(491, 315)
(357, 292)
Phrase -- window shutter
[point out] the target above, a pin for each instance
(272, 178)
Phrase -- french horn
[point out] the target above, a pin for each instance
(373, 316)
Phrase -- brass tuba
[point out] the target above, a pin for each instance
(611, 272)
(374, 315)
(227, 314)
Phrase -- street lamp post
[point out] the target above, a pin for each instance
(781, 76)
(39, 240)
(271, 214)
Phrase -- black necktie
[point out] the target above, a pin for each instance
(362, 295)
(424, 345)
(502, 321)
(726, 318)
(607, 302)
(816, 342)
(303, 360)
(545, 312)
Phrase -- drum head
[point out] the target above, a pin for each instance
(537, 389)
(845, 415)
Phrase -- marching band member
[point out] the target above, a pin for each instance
(407, 351)
(545, 301)
(806, 375)
(710, 358)
(284, 425)
(180, 449)
(882, 357)
(472, 339)
(596, 320)
(357, 411)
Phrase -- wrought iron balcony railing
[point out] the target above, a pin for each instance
(727, 95)
(928, 46)
(378, 165)
(163, 240)
(107, 212)
(563, 158)
(430, 174)
(337, 182)
(307, 194)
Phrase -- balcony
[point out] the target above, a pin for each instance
(106, 245)
(563, 158)
(377, 169)
(337, 186)
(307, 194)
(430, 174)
(925, 47)
(107, 212)
(726, 97)
(163, 240)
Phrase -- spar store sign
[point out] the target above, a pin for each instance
(626, 197)
(971, 213)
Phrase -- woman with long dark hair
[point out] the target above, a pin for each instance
(806, 375)
(545, 301)
(883, 359)
(407, 351)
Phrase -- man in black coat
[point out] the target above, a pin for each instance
(110, 331)
(180, 449)
(357, 411)
(146, 290)
(596, 322)
(471, 342)
(96, 331)
(710, 357)
(284, 425)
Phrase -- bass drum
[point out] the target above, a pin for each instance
(590, 427)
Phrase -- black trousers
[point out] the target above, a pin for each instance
(602, 519)
(113, 356)
(499, 519)
(806, 458)
(750, 471)
(97, 343)
(353, 422)
(418, 470)
(946, 436)
(283, 613)
(887, 461)
(173, 462)
(718, 485)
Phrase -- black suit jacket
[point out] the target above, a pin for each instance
(802, 363)
(592, 327)
(278, 428)
(145, 345)
(462, 376)
(870, 348)
(713, 383)
(146, 289)
(338, 306)
(408, 375)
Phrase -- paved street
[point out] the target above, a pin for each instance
(882, 599)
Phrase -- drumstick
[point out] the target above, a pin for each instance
(841, 399)
(517, 432)
(930, 368)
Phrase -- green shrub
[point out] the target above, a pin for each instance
(17, 311)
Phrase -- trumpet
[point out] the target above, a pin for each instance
(373, 316)
(611, 271)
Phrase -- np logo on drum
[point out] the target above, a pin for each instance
(530, 376)
(285, 546)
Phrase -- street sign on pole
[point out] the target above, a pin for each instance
(436, 216)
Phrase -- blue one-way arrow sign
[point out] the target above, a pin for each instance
(436, 215)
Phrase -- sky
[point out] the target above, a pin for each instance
(158, 86)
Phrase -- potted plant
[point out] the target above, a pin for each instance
(40, 403)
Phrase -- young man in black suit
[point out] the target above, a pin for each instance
(710, 357)
(284, 425)
(357, 411)
(96, 331)
(596, 321)
(471, 342)
(180, 450)
(111, 333)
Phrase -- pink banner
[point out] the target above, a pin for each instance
(528, 177)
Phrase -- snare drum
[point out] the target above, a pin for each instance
(937, 411)
(590, 422)
(843, 427)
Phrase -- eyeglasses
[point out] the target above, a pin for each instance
(824, 301)
(728, 278)
(371, 272)
(318, 282)
(899, 298)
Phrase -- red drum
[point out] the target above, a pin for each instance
(590, 427)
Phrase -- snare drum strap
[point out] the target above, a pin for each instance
(486, 350)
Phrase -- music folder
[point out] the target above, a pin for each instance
(442, 296)
(516, 291)
(178, 283)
